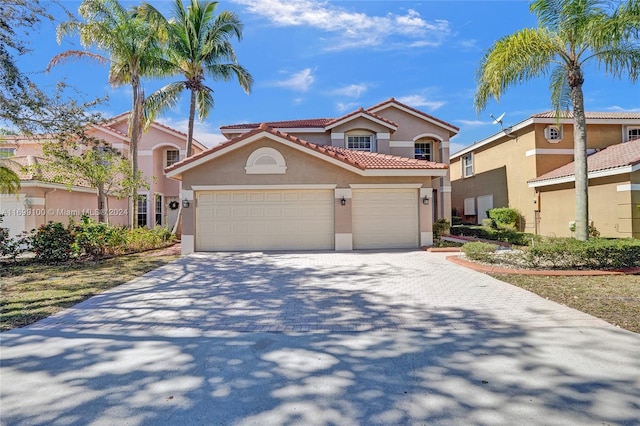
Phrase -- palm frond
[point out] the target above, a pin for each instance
(162, 100)
(560, 91)
(225, 72)
(75, 55)
(204, 102)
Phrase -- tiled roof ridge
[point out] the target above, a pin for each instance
(116, 119)
(591, 114)
(362, 111)
(313, 122)
(394, 100)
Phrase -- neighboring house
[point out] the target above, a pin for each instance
(529, 167)
(371, 179)
(41, 201)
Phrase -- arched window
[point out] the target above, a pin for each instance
(265, 161)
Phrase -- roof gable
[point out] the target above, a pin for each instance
(391, 102)
(362, 113)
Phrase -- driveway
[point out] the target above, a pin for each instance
(319, 339)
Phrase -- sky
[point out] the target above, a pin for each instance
(320, 59)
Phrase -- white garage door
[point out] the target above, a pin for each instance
(265, 220)
(385, 218)
(14, 211)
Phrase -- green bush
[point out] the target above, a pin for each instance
(141, 239)
(595, 253)
(486, 233)
(504, 216)
(94, 239)
(456, 220)
(440, 228)
(52, 243)
(481, 252)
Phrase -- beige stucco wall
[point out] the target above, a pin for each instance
(410, 126)
(302, 169)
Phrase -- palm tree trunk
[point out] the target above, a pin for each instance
(580, 155)
(192, 115)
(136, 131)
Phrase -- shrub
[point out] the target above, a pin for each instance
(440, 228)
(94, 239)
(52, 243)
(504, 216)
(141, 239)
(456, 220)
(481, 252)
(505, 235)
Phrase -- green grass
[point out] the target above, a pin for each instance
(30, 291)
(613, 298)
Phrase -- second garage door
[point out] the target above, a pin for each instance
(385, 218)
(265, 220)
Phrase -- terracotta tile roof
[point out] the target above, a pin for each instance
(391, 101)
(360, 159)
(365, 112)
(29, 167)
(591, 115)
(291, 124)
(612, 157)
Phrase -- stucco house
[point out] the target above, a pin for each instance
(529, 166)
(374, 178)
(41, 201)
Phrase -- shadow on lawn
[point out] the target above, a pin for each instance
(190, 344)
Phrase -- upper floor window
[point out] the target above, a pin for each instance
(467, 165)
(7, 152)
(553, 133)
(360, 142)
(173, 156)
(633, 133)
(423, 151)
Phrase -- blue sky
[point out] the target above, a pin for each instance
(314, 59)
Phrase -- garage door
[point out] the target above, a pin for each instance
(385, 218)
(14, 211)
(265, 220)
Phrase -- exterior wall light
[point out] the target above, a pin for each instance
(343, 202)
(185, 204)
(425, 200)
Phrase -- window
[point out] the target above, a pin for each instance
(553, 133)
(423, 151)
(360, 143)
(142, 210)
(159, 209)
(467, 165)
(7, 152)
(173, 156)
(633, 133)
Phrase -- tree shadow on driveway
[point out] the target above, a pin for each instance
(279, 339)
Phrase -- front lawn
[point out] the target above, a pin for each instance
(31, 291)
(613, 298)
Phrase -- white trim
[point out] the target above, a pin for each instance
(404, 172)
(279, 168)
(343, 242)
(187, 243)
(415, 114)
(426, 238)
(343, 192)
(337, 136)
(119, 146)
(552, 151)
(385, 185)
(428, 135)
(629, 187)
(383, 135)
(110, 131)
(401, 144)
(445, 144)
(40, 184)
(361, 114)
(258, 187)
(591, 175)
(445, 189)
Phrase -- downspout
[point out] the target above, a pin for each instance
(46, 205)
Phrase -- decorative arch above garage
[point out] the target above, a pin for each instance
(266, 161)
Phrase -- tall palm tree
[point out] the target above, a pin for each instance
(570, 35)
(134, 51)
(199, 45)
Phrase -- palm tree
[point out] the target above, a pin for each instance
(133, 47)
(9, 181)
(570, 35)
(199, 44)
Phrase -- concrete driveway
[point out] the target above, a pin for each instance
(319, 339)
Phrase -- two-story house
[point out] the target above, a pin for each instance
(529, 167)
(41, 201)
(373, 178)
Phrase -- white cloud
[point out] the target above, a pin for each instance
(205, 133)
(300, 81)
(474, 123)
(421, 101)
(617, 108)
(342, 106)
(352, 29)
(351, 91)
